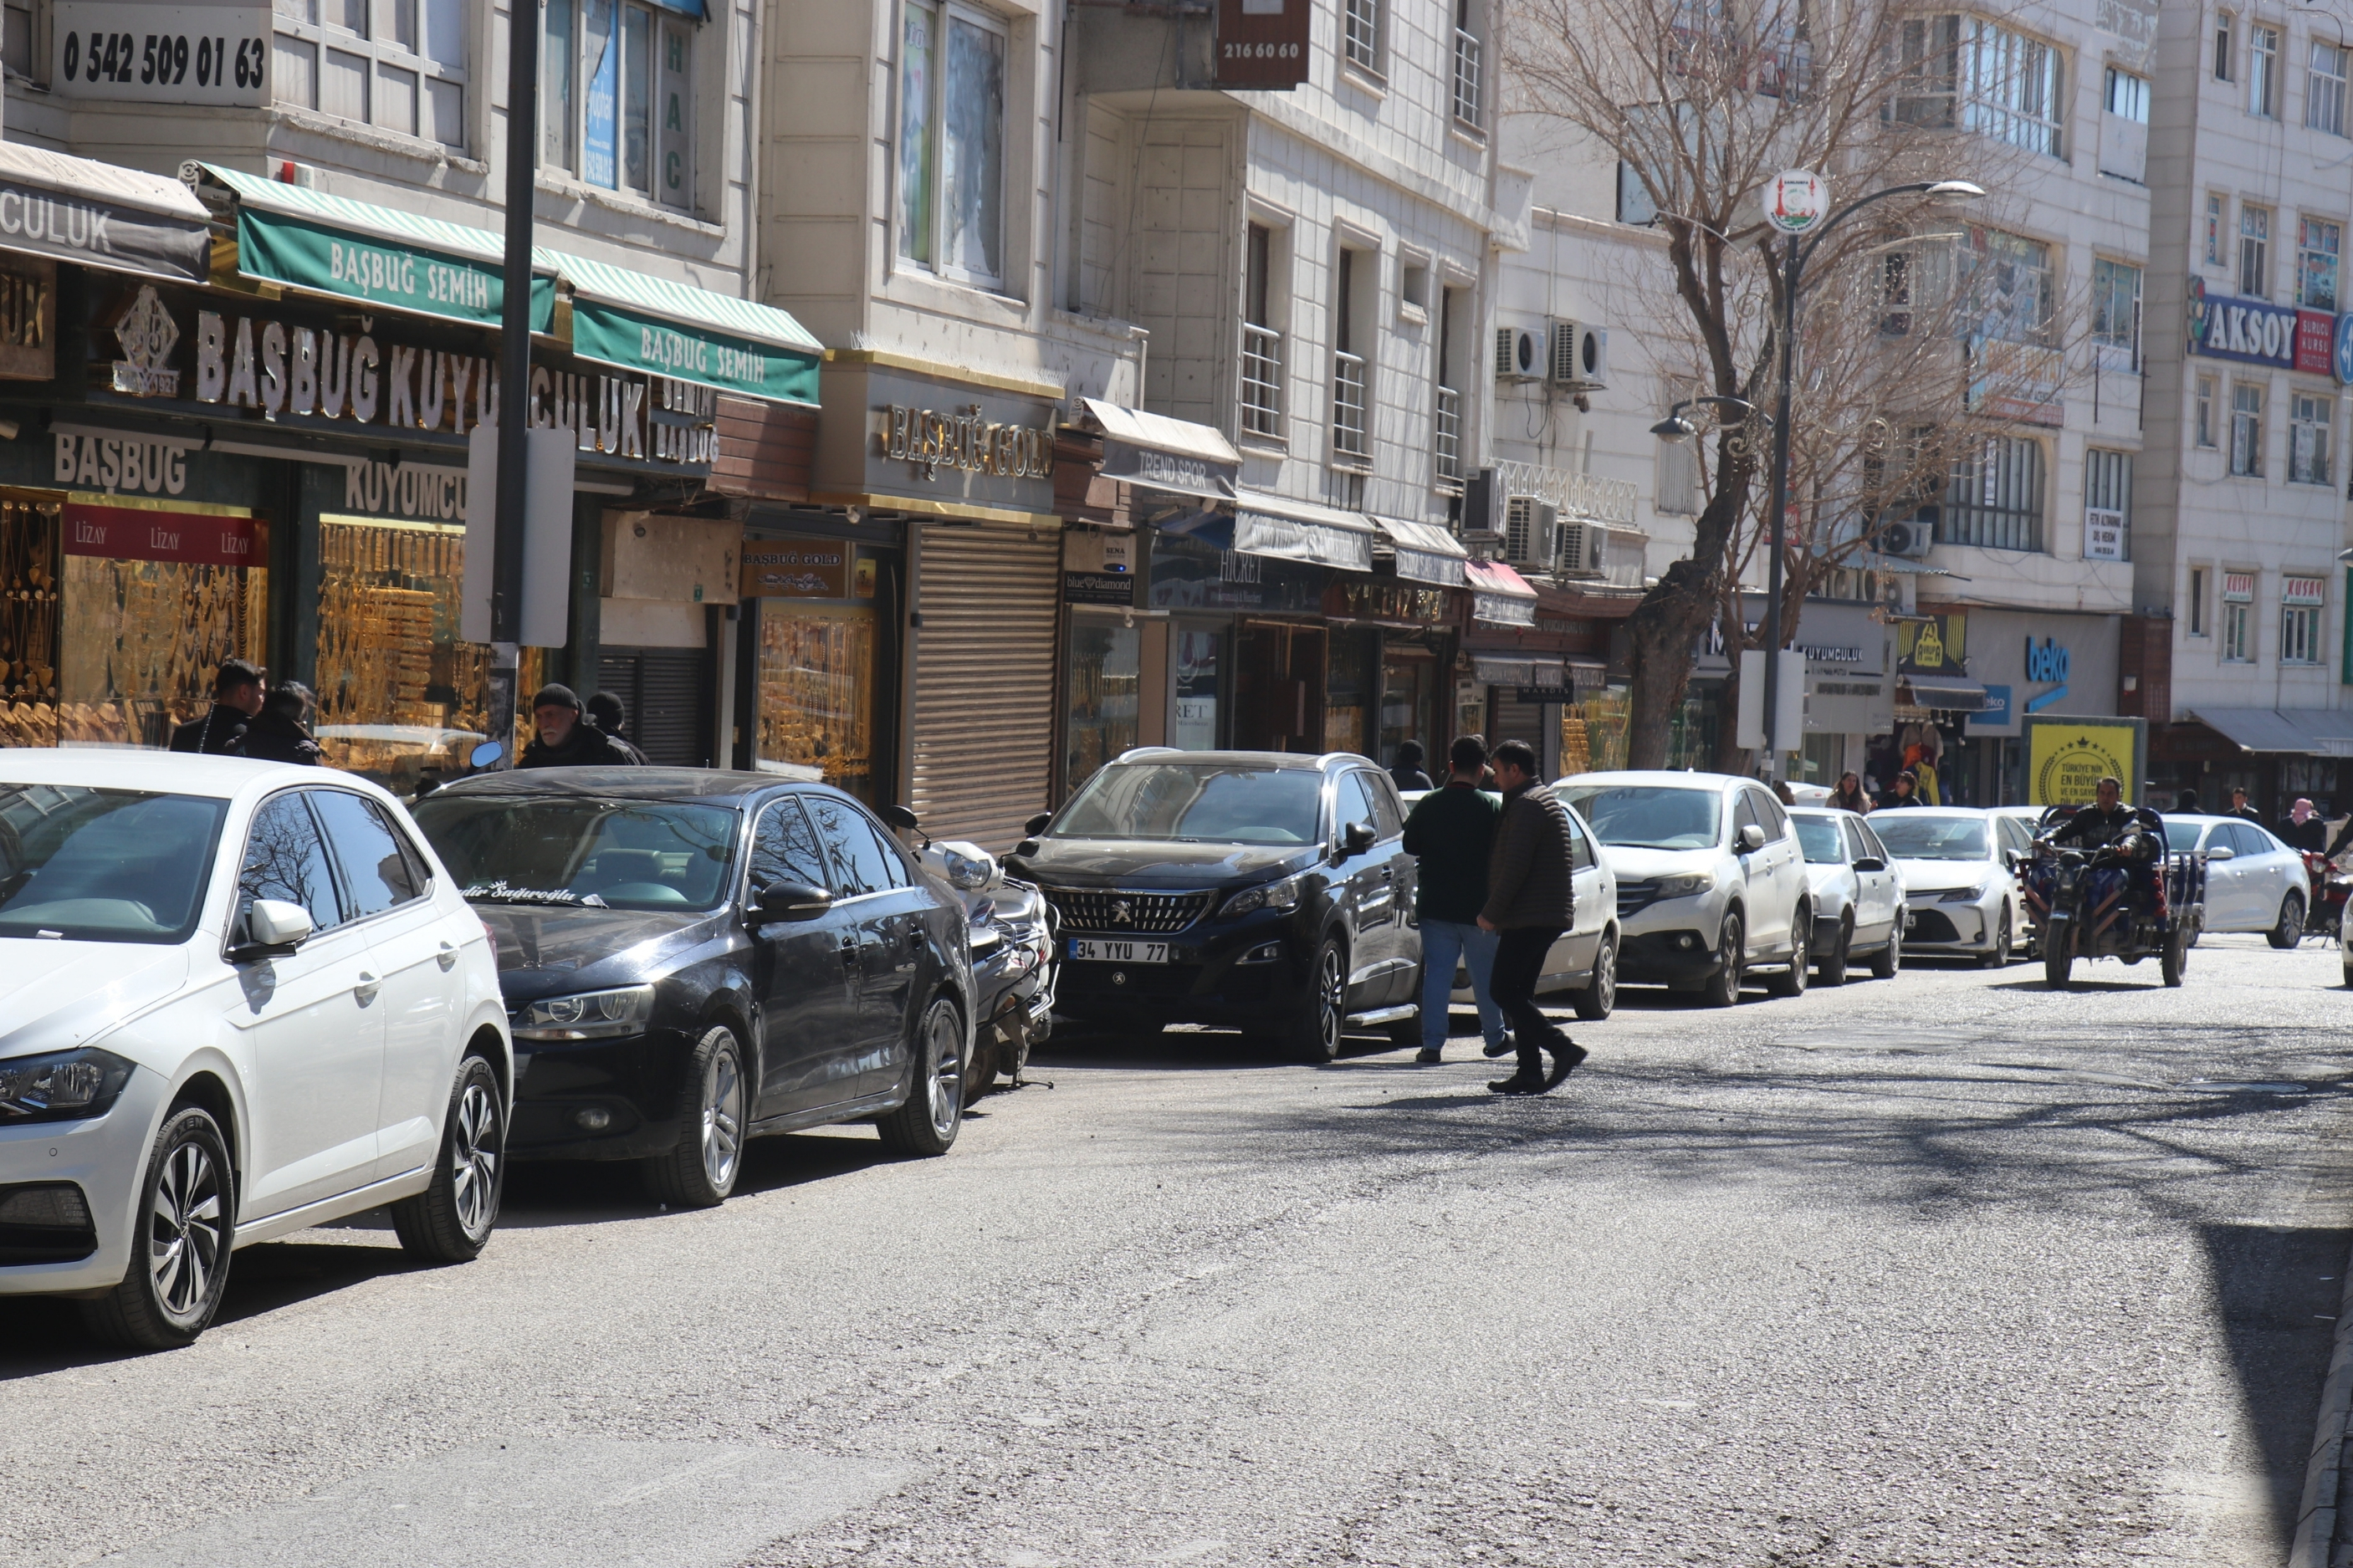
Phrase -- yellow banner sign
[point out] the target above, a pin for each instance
(2066, 758)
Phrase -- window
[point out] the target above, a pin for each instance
(2206, 411)
(1261, 344)
(862, 862)
(2218, 222)
(2196, 601)
(2247, 428)
(286, 859)
(2010, 278)
(2013, 88)
(16, 40)
(2108, 505)
(1930, 80)
(2309, 419)
(2127, 96)
(2116, 308)
(1361, 35)
(783, 849)
(1452, 334)
(396, 65)
(615, 98)
(1467, 52)
(2223, 49)
(952, 142)
(2324, 89)
(2317, 244)
(2299, 632)
(1994, 498)
(377, 876)
(1351, 371)
(2255, 251)
(2238, 633)
(2263, 70)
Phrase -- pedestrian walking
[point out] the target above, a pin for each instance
(2304, 829)
(1850, 795)
(237, 690)
(2241, 809)
(1905, 793)
(281, 733)
(2186, 801)
(1529, 904)
(1452, 833)
(1407, 771)
(610, 714)
(566, 738)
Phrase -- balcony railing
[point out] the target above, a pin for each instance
(1466, 78)
(1262, 383)
(1449, 440)
(1577, 495)
(1361, 33)
(1348, 439)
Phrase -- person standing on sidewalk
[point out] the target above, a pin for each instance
(1452, 833)
(1529, 904)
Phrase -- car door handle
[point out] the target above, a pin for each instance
(1388, 874)
(367, 988)
(447, 958)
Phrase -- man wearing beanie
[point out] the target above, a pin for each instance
(566, 739)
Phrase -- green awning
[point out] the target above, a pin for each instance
(638, 323)
(376, 256)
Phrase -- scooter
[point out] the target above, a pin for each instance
(1015, 955)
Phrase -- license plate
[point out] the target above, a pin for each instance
(1119, 952)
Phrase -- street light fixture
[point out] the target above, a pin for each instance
(1675, 428)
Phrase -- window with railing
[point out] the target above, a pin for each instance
(2310, 420)
(1983, 77)
(1466, 78)
(2116, 313)
(1349, 440)
(1351, 375)
(1994, 498)
(1261, 355)
(1449, 442)
(1360, 34)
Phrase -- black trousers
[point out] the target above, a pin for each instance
(1519, 965)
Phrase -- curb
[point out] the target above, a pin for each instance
(2317, 1519)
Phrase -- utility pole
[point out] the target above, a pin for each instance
(515, 371)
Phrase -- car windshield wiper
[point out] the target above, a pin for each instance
(502, 893)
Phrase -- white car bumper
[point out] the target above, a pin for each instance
(106, 1157)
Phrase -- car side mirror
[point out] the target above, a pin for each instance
(1028, 847)
(900, 817)
(1749, 839)
(485, 755)
(1359, 837)
(1037, 825)
(1870, 863)
(781, 901)
(273, 926)
(2221, 852)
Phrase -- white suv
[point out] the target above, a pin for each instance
(1710, 881)
(236, 999)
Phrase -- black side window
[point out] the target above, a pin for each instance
(858, 855)
(1580, 848)
(1388, 813)
(286, 859)
(1350, 804)
(783, 849)
(375, 875)
(1744, 815)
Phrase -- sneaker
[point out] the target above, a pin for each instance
(1518, 1083)
(1430, 1057)
(1503, 1048)
(1565, 1059)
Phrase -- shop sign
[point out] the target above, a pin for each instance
(2047, 663)
(127, 465)
(1261, 43)
(2238, 587)
(2251, 331)
(795, 569)
(28, 320)
(1399, 603)
(1179, 473)
(2316, 342)
(2104, 534)
(2304, 591)
(134, 53)
(1994, 715)
(417, 490)
(2066, 758)
(380, 270)
(1190, 574)
(1544, 694)
(610, 335)
(967, 439)
(190, 539)
(99, 233)
(1112, 588)
(1932, 644)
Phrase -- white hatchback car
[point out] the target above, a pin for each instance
(1956, 865)
(236, 999)
(1859, 909)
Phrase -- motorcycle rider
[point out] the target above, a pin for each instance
(2108, 821)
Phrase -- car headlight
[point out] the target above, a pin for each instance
(590, 1016)
(1970, 895)
(1684, 884)
(62, 1086)
(1281, 896)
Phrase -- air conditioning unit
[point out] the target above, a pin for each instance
(1584, 549)
(1531, 527)
(1519, 354)
(1912, 538)
(1580, 357)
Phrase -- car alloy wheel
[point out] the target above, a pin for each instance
(180, 1252)
(1331, 1000)
(477, 1148)
(186, 1236)
(2289, 929)
(927, 1121)
(701, 1168)
(723, 1116)
(451, 1220)
(946, 1080)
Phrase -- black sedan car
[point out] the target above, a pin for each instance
(692, 958)
(1259, 890)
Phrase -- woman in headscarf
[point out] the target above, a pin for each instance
(2304, 829)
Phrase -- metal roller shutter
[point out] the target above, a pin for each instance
(667, 690)
(984, 723)
(1508, 719)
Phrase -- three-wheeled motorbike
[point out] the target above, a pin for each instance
(2150, 904)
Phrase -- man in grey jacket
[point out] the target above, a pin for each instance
(1529, 903)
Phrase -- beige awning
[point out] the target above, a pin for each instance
(1425, 552)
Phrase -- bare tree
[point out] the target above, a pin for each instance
(1920, 336)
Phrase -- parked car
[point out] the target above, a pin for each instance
(1858, 904)
(692, 958)
(1710, 884)
(238, 999)
(2254, 883)
(1954, 862)
(1015, 958)
(1585, 960)
(1259, 890)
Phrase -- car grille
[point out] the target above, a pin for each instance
(1931, 925)
(1153, 914)
(1634, 898)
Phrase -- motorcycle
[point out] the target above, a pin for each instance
(2067, 928)
(1016, 956)
(2331, 884)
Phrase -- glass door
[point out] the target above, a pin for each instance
(1103, 680)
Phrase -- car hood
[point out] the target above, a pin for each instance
(1120, 863)
(1830, 879)
(1943, 876)
(1644, 865)
(543, 948)
(58, 994)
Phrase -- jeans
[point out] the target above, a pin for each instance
(1442, 942)
(1519, 965)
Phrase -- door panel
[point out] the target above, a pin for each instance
(1370, 877)
(883, 919)
(803, 974)
(1404, 928)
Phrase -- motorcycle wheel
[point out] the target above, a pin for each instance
(2174, 959)
(2058, 957)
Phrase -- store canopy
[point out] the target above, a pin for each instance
(2308, 731)
(635, 321)
(1500, 595)
(1425, 552)
(1291, 530)
(1950, 693)
(1163, 453)
(73, 209)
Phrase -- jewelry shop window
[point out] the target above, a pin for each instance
(818, 625)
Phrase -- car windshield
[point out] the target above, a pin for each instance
(1194, 802)
(1821, 839)
(103, 864)
(1648, 817)
(601, 854)
(1916, 836)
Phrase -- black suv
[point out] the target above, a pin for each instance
(1259, 890)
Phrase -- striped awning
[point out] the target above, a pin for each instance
(637, 321)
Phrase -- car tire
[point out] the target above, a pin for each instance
(1791, 981)
(1314, 1032)
(2288, 929)
(933, 1113)
(1888, 961)
(451, 1220)
(1599, 996)
(1831, 970)
(179, 1259)
(2000, 957)
(700, 1170)
(1722, 989)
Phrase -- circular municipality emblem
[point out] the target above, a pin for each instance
(2070, 776)
(1796, 200)
(2345, 349)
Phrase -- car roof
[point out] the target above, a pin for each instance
(1671, 778)
(131, 767)
(1294, 761)
(1822, 811)
(709, 785)
(2207, 819)
(1973, 813)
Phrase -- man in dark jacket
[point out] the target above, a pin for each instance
(1407, 774)
(237, 689)
(1529, 904)
(1451, 833)
(610, 714)
(566, 739)
(2242, 810)
(279, 733)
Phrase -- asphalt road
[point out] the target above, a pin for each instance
(1941, 1270)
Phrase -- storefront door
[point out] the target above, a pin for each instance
(814, 703)
(667, 691)
(1197, 665)
(1409, 697)
(1102, 681)
(1278, 688)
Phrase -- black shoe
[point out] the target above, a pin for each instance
(1518, 1083)
(1503, 1048)
(1565, 1057)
